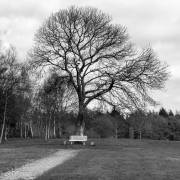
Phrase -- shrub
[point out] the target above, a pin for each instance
(103, 126)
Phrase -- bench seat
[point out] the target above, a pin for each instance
(77, 138)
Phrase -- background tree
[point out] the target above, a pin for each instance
(120, 124)
(170, 113)
(137, 121)
(96, 55)
(54, 98)
(23, 102)
(163, 112)
(9, 80)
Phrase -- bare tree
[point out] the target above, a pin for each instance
(98, 58)
(55, 96)
(9, 70)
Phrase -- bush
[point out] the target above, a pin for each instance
(69, 130)
(91, 133)
(103, 126)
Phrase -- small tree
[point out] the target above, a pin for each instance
(98, 58)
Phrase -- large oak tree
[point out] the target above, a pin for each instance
(98, 58)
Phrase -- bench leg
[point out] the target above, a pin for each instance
(84, 143)
(71, 142)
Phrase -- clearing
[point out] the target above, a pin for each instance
(110, 159)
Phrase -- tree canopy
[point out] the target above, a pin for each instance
(98, 58)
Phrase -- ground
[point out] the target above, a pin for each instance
(121, 159)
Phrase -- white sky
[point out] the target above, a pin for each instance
(149, 22)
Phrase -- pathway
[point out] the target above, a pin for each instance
(33, 170)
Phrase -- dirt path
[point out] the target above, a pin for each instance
(38, 167)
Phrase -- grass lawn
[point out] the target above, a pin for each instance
(15, 153)
(120, 159)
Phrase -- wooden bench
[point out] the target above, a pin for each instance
(77, 138)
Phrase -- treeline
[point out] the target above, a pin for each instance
(30, 108)
(160, 125)
(155, 125)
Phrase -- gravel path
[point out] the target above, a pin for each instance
(33, 170)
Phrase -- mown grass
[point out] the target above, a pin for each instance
(120, 159)
(15, 153)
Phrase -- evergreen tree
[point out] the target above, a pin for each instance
(171, 113)
(163, 112)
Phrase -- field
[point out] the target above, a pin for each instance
(120, 159)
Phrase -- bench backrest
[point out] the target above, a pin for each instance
(78, 138)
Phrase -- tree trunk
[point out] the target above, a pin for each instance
(46, 130)
(116, 133)
(6, 134)
(131, 132)
(140, 134)
(31, 129)
(80, 121)
(40, 129)
(60, 130)
(21, 129)
(25, 132)
(45, 137)
(54, 127)
(4, 121)
(49, 126)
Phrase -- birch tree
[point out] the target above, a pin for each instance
(8, 83)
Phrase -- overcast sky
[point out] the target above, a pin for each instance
(149, 22)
